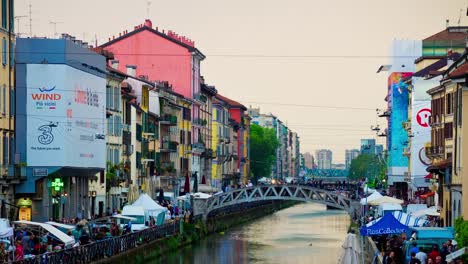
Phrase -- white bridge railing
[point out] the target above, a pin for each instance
(276, 192)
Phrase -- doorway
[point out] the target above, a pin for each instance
(101, 209)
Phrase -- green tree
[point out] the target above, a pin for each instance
(263, 144)
(366, 166)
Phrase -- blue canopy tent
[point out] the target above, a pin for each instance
(386, 225)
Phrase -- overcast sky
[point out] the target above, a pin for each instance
(269, 51)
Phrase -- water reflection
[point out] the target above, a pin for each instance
(305, 233)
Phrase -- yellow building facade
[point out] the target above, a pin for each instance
(7, 87)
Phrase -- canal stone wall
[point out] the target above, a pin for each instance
(237, 214)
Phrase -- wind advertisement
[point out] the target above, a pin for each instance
(65, 117)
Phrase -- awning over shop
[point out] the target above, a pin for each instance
(427, 195)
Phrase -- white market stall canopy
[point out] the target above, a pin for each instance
(68, 241)
(198, 195)
(6, 231)
(385, 199)
(119, 216)
(372, 197)
(67, 227)
(149, 204)
(431, 211)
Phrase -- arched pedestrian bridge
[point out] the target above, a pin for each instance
(301, 193)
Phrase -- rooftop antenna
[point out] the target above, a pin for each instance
(17, 24)
(148, 4)
(459, 16)
(55, 26)
(30, 20)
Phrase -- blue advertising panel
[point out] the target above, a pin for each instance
(65, 117)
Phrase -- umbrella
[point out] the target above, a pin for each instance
(195, 183)
(385, 199)
(351, 250)
(203, 180)
(187, 184)
(161, 196)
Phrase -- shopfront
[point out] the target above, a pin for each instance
(24, 209)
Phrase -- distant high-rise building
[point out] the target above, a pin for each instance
(350, 155)
(324, 159)
(309, 160)
(368, 146)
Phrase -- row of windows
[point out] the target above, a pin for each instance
(8, 13)
(222, 116)
(8, 149)
(4, 99)
(113, 154)
(114, 126)
(113, 97)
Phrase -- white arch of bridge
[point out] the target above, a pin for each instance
(275, 192)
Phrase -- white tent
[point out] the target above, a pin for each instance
(409, 220)
(432, 211)
(59, 225)
(67, 240)
(6, 231)
(149, 205)
(198, 195)
(372, 197)
(386, 199)
(351, 250)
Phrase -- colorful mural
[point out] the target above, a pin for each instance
(398, 104)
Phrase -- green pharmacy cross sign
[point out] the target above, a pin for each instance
(57, 184)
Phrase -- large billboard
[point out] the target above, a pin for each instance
(397, 135)
(421, 132)
(65, 117)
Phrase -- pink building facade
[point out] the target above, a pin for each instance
(162, 56)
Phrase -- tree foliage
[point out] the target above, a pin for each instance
(366, 166)
(461, 232)
(263, 144)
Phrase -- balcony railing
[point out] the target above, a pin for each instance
(406, 152)
(200, 122)
(201, 98)
(126, 127)
(169, 146)
(168, 120)
(406, 125)
(434, 151)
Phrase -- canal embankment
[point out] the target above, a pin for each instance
(189, 233)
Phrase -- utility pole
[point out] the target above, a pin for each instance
(55, 26)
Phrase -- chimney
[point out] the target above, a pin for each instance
(131, 70)
(115, 64)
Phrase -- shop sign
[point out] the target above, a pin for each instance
(57, 184)
(40, 172)
(24, 202)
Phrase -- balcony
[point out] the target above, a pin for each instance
(434, 151)
(169, 146)
(406, 125)
(126, 127)
(198, 148)
(385, 114)
(201, 98)
(406, 152)
(170, 120)
(199, 122)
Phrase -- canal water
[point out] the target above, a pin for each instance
(305, 233)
